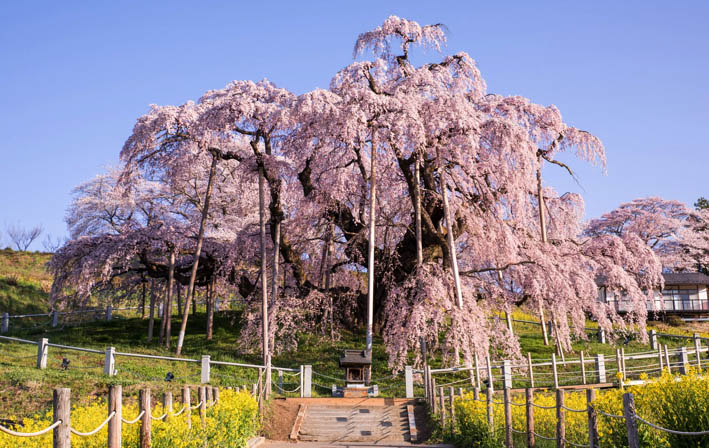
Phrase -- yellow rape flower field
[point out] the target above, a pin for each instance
(678, 403)
(229, 423)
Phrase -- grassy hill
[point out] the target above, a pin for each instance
(23, 389)
(24, 282)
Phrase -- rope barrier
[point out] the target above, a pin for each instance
(90, 433)
(30, 434)
(158, 418)
(576, 444)
(672, 431)
(542, 407)
(609, 415)
(130, 422)
(175, 414)
(518, 432)
(574, 410)
(197, 405)
(543, 437)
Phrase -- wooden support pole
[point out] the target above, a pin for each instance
(210, 400)
(186, 403)
(631, 425)
(583, 368)
(452, 407)
(476, 393)
(529, 399)
(490, 413)
(619, 363)
(477, 371)
(659, 357)
(697, 347)
(560, 420)
(508, 418)
(667, 359)
(203, 405)
(145, 407)
(592, 418)
(683, 361)
(442, 405)
(622, 359)
(433, 395)
(62, 411)
(42, 353)
(115, 404)
(280, 382)
(554, 371)
(530, 368)
(490, 379)
(167, 404)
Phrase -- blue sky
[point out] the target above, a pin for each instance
(74, 76)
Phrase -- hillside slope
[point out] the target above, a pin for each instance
(24, 282)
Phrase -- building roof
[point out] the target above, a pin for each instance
(686, 278)
(355, 358)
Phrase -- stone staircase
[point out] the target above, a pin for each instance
(355, 423)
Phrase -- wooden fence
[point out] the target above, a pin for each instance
(62, 430)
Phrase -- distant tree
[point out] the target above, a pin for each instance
(51, 245)
(702, 203)
(22, 238)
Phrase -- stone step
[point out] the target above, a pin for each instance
(354, 424)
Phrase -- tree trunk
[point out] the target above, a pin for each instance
(142, 306)
(167, 313)
(198, 251)
(178, 287)
(151, 321)
(210, 309)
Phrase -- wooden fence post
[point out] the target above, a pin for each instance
(507, 374)
(55, 319)
(167, 404)
(601, 368)
(5, 323)
(409, 381)
(529, 399)
(205, 369)
(583, 368)
(530, 367)
(592, 419)
(452, 399)
(490, 380)
(653, 340)
(115, 404)
(302, 389)
(490, 414)
(667, 359)
(442, 404)
(145, 407)
(62, 411)
(683, 361)
(42, 352)
(109, 361)
(307, 381)
(631, 425)
(659, 356)
(208, 393)
(280, 382)
(619, 363)
(109, 312)
(431, 388)
(556, 375)
(601, 335)
(622, 359)
(560, 420)
(203, 405)
(477, 371)
(476, 393)
(508, 418)
(186, 402)
(215, 393)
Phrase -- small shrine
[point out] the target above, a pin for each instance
(358, 371)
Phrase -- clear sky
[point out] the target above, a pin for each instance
(74, 76)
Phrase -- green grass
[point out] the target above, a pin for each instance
(24, 282)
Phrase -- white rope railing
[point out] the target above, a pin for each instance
(130, 422)
(90, 433)
(158, 418)
(30, 434)
(197, 405)
(180, 411)
(672, 431)
(577, 444)
(543, 437)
